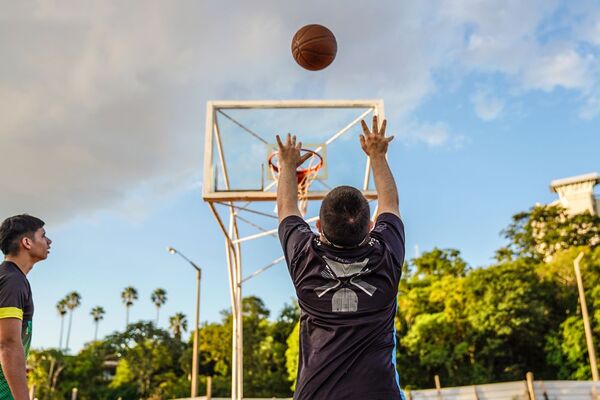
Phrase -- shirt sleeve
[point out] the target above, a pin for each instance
(389, 229)
(12, 297)
(294, 232)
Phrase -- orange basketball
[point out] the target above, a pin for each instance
(314, 47)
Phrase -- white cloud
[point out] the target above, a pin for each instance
(435, 134)
(564, 68)
(487, 107)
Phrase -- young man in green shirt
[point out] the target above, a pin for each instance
(23, 242)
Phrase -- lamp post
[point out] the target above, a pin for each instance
(194, 391)
(586, 320)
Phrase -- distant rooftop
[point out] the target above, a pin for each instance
(591, 177)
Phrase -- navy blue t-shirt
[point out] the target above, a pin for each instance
(348, 303)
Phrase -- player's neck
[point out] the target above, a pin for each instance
(23, 261)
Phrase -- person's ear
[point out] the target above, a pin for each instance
(26, 242)
(318, 224)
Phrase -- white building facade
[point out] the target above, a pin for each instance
(576, 193)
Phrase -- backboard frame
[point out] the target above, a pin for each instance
(233, 204)
(213, 136)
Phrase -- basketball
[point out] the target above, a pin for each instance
(314, 47)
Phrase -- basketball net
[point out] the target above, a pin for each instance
(305, 175)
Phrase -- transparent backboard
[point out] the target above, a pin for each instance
(240, 136)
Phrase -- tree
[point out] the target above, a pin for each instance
(148, 356)
(97, 314)
(265, 373)
(566, 347)
(45, 368)
(433, 334)
(158, 297)
(129, 295)
(441, 262)
(87, 371)
(292, 354)
(73, 300)
(178, 325)
(510, 308)
(61, 307)
(544, 230)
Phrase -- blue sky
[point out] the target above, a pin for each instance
(102, 128)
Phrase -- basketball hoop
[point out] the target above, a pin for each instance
(305, 175)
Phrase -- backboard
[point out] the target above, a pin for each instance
(240, 136)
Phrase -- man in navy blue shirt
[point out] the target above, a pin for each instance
(346, 279)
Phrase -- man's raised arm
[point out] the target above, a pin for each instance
(287, 187)
(375, 144)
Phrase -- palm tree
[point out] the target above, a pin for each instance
(159, 297)
(73, 300)
(98, 314)
(61, 307)
(178, 324)
(129, 295)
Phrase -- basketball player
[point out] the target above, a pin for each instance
(346, 279)
(23, 241)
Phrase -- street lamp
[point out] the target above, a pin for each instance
(195, 350)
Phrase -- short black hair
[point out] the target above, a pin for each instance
(345, 216)
(14, 228)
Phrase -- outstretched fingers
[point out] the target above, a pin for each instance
(304, 158)
(375, 125)
(365, 128)
(383, 126)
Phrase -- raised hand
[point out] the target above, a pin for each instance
(289, 152)
(374, 142)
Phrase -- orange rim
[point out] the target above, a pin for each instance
(301, 173)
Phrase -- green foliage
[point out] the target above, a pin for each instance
(178, 324)
(265, 374)
(129, 295)
(495, 323)
(97, 313)
(72, 301)
(545, 230)
(86, 372)
(508, 309)
(439, 263)
(567, 350)
(145, 352)
(291, 355)
(434, 334)
(46, 369)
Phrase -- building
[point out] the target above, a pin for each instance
(576, 193)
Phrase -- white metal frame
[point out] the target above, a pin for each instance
(237, 202)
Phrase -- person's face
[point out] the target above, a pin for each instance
(38, 246)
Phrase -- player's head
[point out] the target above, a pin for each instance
(24, 233)
(344, 217)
